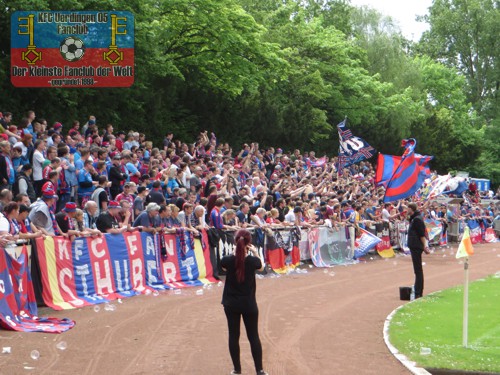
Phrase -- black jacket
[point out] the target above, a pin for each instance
(116, 177)
(416, 231)
(30, 191)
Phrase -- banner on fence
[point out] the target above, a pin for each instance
(282, 250)
(490, 236)
(187, 262)
(92, 270)
(364, 243)
(434, 229)
(328, 246)
(402, 235)
(384, 247)
(18, 309)
(475, 231)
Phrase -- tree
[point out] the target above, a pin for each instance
(448, 132)
(464, 34)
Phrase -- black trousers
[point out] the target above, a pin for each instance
(251, 321)
(416, 258)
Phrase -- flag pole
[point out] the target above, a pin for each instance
(466, 303)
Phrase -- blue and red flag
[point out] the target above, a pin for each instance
(402, 176)
(364, 243)
(316, 163)
(352, 149)
(18, 309)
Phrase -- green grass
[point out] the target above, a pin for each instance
(435, 322)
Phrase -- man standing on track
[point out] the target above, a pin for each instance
(417, 242)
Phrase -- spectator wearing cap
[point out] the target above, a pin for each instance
(23, 184)
(149, 220)
(58, 127)
(116, 176)
(108, 221)
(42, 212)
(139, 200)
(65, 220)
(176, 161)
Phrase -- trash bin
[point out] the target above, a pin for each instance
(405, 293)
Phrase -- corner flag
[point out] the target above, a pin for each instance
(465, 248)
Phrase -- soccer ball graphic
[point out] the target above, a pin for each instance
(72, 48)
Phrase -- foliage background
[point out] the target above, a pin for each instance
(285, 72)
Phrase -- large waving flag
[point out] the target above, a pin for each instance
(352, 149)
(386, 168)
(465, 248)
(402, 176)
(387, 165)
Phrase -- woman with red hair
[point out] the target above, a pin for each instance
(239, 300)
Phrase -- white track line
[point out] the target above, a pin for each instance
(412, 366)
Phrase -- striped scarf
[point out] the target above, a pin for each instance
(185, 239)
(54, 222)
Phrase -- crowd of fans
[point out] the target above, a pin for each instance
(89, 180)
